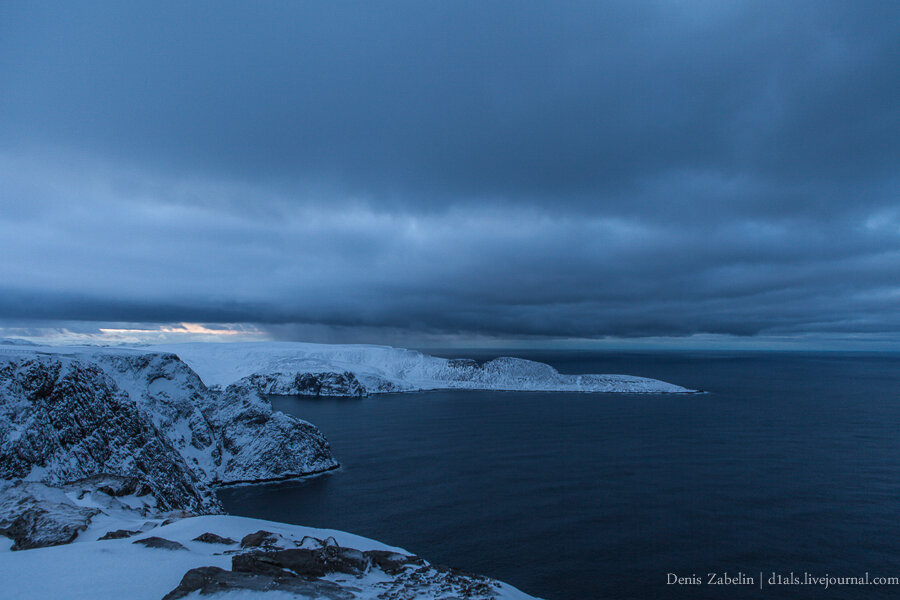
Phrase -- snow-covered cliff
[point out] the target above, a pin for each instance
(227, 436)
(385, 369)
(67, 413)
(63, 418)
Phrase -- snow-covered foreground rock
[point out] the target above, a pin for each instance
(126, 550)
(108, 536)
(37, 515)
(286, 368)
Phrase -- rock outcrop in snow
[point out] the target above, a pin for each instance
(126, 548)
(337, 369)
(315, 568)
(321, 384)
(37, 515)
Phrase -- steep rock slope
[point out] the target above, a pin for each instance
(259, 444)
(67, 413)
(173, 398)
(298, 383)
(227, 437)
(63, 418)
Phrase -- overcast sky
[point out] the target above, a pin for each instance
(461, 171)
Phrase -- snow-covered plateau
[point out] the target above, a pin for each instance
(385, 369)
(109, 457)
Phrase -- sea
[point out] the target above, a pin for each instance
(782, 480)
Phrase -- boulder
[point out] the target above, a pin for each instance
(161, 543)
(212, 538)
(213, 580)
(35, 515)
(305, 562)
(259, 538)
(118, 534)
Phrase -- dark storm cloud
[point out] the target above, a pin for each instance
(554, 169)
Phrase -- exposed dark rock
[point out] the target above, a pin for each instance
(392, 563)
(36, 514)
(300, 561)
(306, 562)
(213, 580)
(118, 534)
(328, 384)
(260, 538)
(306, 571)
(410, 575)
(346, 560)
(452, 583)
(342, 384)
(212, 538)
(158, 542)
(462, 363)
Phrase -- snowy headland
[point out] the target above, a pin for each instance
(388, 369)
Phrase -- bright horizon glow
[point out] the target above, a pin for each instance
(143, 334)
(149, 333)
(189, 328)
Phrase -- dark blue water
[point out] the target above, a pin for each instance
(790, 463)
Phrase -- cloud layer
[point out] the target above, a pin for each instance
(562, 170)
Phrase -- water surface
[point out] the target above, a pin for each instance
(791, 462)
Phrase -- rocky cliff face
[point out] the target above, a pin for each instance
(342, 384)
(259, 444)
(173, 397)
(63, 418)
(147, 415)
(226, 437)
